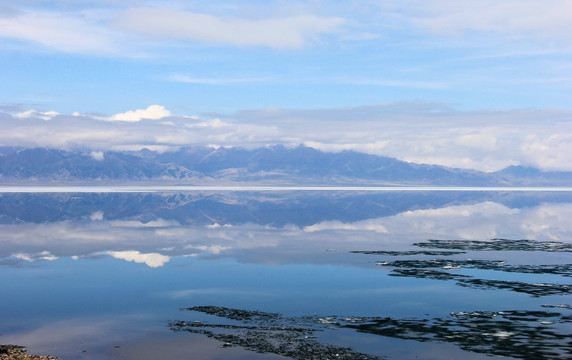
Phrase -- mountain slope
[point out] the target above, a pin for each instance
(277, 165)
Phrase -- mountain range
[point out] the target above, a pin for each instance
(276, 165)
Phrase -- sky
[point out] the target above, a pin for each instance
(480, 84)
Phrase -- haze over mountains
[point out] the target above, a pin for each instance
(277, 165)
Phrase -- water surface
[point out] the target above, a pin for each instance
(265, 274)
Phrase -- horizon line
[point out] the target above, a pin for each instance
(188, 188)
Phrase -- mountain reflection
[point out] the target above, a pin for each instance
(299, 208)
(288, 227)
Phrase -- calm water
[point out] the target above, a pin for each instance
(210, 274)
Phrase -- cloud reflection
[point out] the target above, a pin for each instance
(44, 255)
(152, 259)
(480, 221)
(156, 242)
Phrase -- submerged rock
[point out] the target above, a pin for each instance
(520, 334)
(270, 333)
(497, 245)
(496, 265)
(408, 253)
(560, 306)
(440, 269)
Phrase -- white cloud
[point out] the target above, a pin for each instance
(518, 17)
(44, 115)
(97, 155)
(549, 151)
(481, 140)
(214, 123)
(430, 133)
(152, 112)
(69, 32)
(152, 259)
(115, 28)
(279, 33)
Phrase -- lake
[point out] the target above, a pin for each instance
(277, 273)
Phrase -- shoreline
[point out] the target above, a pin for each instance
(17, 352)
(246, 188)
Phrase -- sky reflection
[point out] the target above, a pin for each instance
(138, 236)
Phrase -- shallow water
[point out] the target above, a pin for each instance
(400, 274)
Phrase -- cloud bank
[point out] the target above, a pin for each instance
(416, 132)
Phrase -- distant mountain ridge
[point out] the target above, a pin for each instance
(268, 165)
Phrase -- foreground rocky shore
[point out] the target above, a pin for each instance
(15, 352)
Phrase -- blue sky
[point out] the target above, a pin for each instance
(487, 77)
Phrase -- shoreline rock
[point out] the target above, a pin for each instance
(16, 352)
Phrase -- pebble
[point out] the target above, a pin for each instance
(14, 352)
